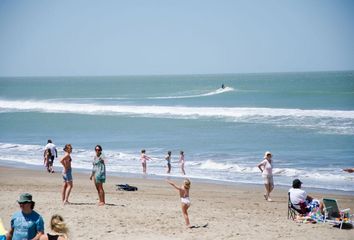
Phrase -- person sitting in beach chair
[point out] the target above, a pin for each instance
(302, 202)
(292, 211)
(336, 216)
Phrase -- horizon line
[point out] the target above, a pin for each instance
(175, 74)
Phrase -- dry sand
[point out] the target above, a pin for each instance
(153, 212)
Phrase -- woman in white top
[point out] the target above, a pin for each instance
(266, 168)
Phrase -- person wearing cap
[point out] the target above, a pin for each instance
(27, 223)
(267, 173)
(301, 200)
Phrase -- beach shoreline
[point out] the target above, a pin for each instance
(11, 164)
(231, 212)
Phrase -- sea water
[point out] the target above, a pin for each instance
(305, 119)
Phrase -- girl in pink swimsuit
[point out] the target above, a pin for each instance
(143, 159)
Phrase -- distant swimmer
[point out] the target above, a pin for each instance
(222, 86)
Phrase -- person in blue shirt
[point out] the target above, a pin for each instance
(27, 223)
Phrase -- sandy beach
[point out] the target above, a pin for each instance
(153, 212)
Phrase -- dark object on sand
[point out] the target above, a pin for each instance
(126, 187)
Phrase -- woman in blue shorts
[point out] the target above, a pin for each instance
(67, 173)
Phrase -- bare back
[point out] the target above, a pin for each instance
(66, 161)
(183, 192)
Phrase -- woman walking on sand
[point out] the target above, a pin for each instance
(181, 161)
(185, 200)
(99, 173)
(144, 158)
(267, 173)
(67, 174)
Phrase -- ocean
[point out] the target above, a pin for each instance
(305, 119)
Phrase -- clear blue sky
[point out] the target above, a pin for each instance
(128, 37)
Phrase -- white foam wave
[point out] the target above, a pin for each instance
(175, 111)
(324, 121)
(128, 162)
(323, 174)
(216, 92)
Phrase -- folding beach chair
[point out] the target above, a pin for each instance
(293, 211)
(334, 215)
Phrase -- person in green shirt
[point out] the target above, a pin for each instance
(99, 173)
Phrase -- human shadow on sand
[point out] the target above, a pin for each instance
(107, 204)
(199, 226)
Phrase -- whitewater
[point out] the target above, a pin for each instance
(305, 119)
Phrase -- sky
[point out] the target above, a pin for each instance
(147, 37)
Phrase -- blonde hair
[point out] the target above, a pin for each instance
(58, 225)
(187, 184)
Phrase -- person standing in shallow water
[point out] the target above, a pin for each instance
(267, 173)
(144, 158)
(99, 173)
(67, 173)
(181, 162)
(168, 159)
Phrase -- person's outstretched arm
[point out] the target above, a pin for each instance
(173, 185)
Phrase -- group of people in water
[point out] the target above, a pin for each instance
(144, 158)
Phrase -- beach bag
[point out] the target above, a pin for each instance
(126, 187)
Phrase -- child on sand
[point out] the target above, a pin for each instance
(47, 157)
(185, 201)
